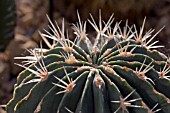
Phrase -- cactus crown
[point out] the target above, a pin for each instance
(120, 72)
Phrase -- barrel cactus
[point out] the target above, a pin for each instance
(121, 72)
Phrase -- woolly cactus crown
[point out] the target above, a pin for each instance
(120, 72)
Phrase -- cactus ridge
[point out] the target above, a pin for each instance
(121, 72)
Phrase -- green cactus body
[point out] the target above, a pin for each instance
(120, 73)
(7, 22)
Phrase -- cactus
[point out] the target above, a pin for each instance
(7, 22)
(121, 72)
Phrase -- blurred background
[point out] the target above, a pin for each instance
(20, 21)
